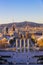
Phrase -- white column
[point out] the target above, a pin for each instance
(28, 44)
(20, 44)
(24, 45)
(16, 44)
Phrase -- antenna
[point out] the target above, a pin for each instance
(13, 19)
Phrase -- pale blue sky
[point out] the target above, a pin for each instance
(21, 10)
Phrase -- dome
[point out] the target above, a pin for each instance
(40, 41)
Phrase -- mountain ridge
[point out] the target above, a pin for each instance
(33, 24)
(21, 24)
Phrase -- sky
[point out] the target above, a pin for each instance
(21, 10)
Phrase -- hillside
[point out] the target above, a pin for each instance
(21, 24)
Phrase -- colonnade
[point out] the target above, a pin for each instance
(22, 44)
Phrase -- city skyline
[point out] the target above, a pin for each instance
(21, 10)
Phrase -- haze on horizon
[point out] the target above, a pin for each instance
(21, 10)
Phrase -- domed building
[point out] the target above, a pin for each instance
(40, 41)
(4, 43)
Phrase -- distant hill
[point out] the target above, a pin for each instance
(25, 23)
(21, 24)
